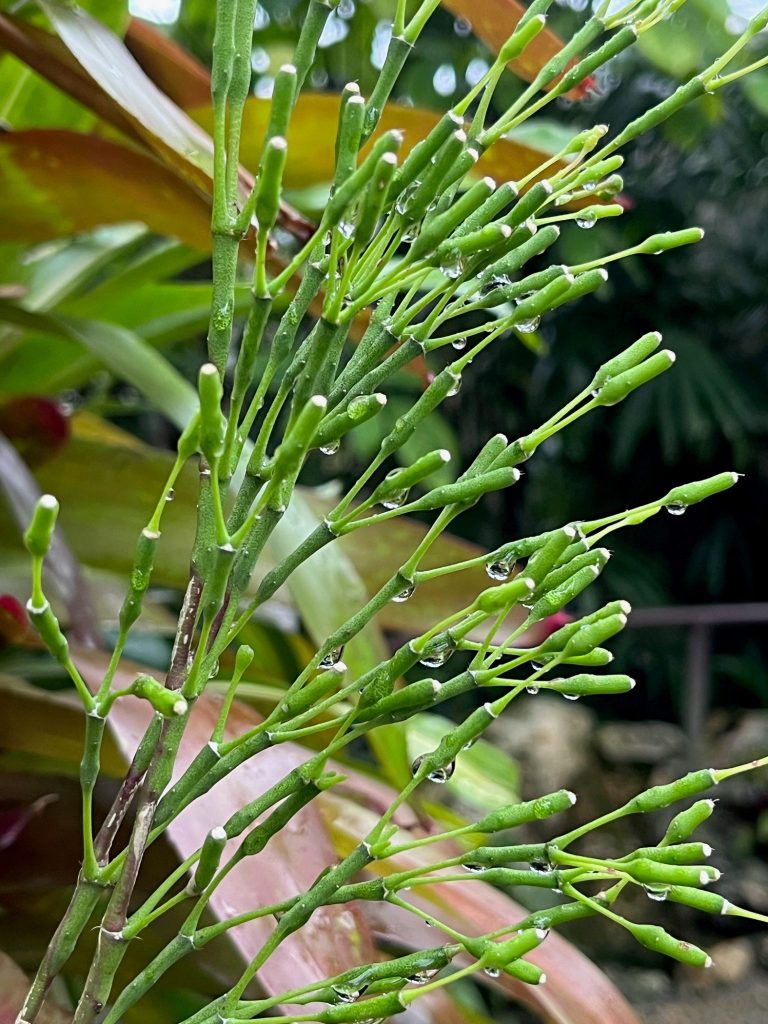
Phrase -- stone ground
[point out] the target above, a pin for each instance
(746, 1003)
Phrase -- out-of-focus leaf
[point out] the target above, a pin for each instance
(15, 818)
(290, 863)
(56, 183)
(485, 777)
(122, 352)
(14, 986)
(313, 130)
(180, 76)
(494, 21)
(577, 992)
(21, 493)
(39, 722)
(95, 67)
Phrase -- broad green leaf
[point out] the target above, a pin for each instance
(122, 352)
(56, 183)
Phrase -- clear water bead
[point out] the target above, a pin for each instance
(657, 895)
(586, 221)
(455, 389)
(421, 977)
(500, 570)
(439, 775)
(571, 696)
(492, 972)
(395, 499)
(438, 653)
(331, 448)
(333, 658)
(459, 344)
(347, 993)
(676, 508)
(473, 869)
(452, 266)
(533, 690)
(404, 594)
(528, 326)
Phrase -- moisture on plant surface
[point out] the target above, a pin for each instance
(342, 425)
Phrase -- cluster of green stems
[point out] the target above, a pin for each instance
(420, 256)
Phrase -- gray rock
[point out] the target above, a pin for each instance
(732, 962)
(551, 740)
(746, 740)
(639, 743)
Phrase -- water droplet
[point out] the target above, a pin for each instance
(452, 266)
(332, 659)
(404, 594)
(395, 499)
(421, 977)
(657, 895)
(473, 868)
(566, 197)
(170, 495)
(499, 570)
(595, 393)
(347, 993)
(676, 508)
(533, 690)
(459, 344)
(404, 198)
(587, 220)
(528, 602)
(571, 696)
(346, 228)
(540, 867)
(439, 775)
(331, 448)
(214, 670)
(438, 652)
(528, 326)
(492, 972)
(455, 389)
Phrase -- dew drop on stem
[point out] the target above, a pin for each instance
(440, 775)
(331, 448)
(459, 344)
(528, 326)
(657, 895)
(492, 972)
(586, 221)
(332, 659)
(438, 652)
(676, 508)
(404, 594)
(571, 696)
(533, 690)
(395, 499)
(499, 570)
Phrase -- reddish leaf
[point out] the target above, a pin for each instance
(494, 21)
(15, 816)
(21, 492)
(36, 425)
(180, 75)
(15, 628)
(577, 992)
(13, 988)
(59, 182)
